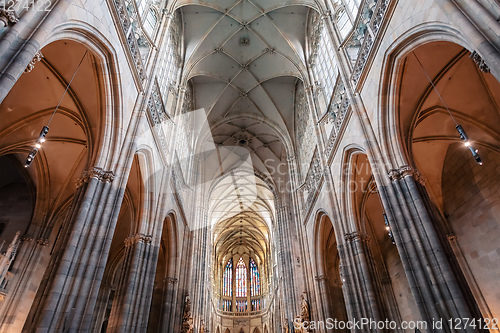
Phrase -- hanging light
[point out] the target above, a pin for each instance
(45, 129)
(38, 145)
(468, 144)
(460, 129)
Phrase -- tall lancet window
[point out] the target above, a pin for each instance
(254, 278)
(228, 279)
(326, 67)
(241, 279)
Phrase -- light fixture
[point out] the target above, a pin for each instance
(467, 143)
(388, 228)
(45, 129)
(460, 129)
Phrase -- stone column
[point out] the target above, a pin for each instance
(324, 296)
(432, 282)
(76, 270)
(31, 260)
(471, 280)
(168, 301)
(480, 29)
(130, 313)
(359, 278)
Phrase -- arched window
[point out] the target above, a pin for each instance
(352, 7)
(150, 23)
(241, 279)
(326, 67)
(141, 6)
(167, 75)
(344, 24)
(228, 279)
(254, 278)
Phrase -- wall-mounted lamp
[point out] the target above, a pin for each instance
(388, 229)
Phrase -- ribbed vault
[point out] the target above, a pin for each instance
(243, 59)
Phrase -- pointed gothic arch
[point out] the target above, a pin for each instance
(438, 154)
(328, 269)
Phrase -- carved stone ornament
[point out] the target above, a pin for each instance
(397, 174)
(480, 62)
(353, 236)
(405, 171)
(137, 238)
(7, 15)
(27, 239)
(97, 173)
(305, 314)
(170, 280)
(187, 319)
(286, 329)
(42, 241)
(38, 57)
(320, 278)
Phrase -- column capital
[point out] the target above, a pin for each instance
(320, 278)
(36, 58)
(97, 173)
(452, 237)
(397, 174)
(27, 239)
(406, 171)
(356, 235)
(170, 280)
(479, 62)
(138, 238)
(7, 15)
(42, 241)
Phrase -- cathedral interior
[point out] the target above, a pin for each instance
(249, 166)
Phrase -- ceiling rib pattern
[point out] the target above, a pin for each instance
(244, 60)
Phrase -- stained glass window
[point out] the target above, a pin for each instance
(254, 278)
(241, 306)
(228, 279)
(226, 305)
(256, 305)
(241, 279)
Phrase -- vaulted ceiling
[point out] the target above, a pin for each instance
(244, 60)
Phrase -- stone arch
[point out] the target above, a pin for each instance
(438, 153)
(127, 227)
(166, 277)
(328, 269)
(17, 199)
(370, 234)
(111, 104)
(395, 55)
(147, 178)
(77, 131)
